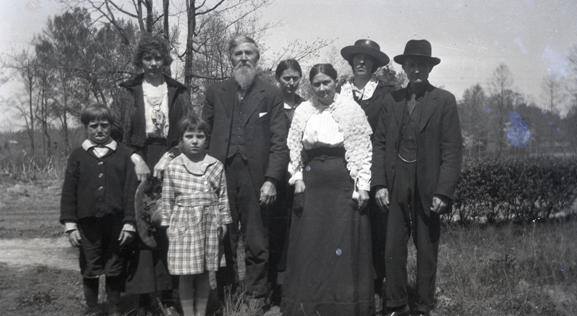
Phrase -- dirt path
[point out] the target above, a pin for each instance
(51, 252)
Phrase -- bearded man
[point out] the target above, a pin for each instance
(248, 134)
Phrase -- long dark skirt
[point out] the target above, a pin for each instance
(147, 267)
(329, 262)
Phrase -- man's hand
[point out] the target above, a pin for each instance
(125, 238)
(267, 193)
(158, 170)
(439, 205)
(74, 238)
(140, 167)
(382, 198)
(363, 199)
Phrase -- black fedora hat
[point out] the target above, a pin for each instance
(367, 47)
(419, 49)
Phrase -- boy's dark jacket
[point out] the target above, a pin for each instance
(95, 187)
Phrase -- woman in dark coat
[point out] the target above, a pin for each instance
(329, 266)
(365, 57)
(148, 112)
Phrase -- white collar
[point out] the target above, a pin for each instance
(366, 92)
(196, 168)
(88, 144)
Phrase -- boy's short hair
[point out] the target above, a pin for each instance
(95, 112)
(192, 123)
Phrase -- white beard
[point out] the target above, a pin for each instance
(244, 75)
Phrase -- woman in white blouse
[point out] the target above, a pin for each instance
(329, 263)
(147, 113)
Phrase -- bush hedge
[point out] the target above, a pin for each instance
(520, 190)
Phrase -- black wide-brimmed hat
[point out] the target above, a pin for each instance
(367, 47)
(419, 49)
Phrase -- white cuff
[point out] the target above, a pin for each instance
(70, 226)
(297, 176)
(363, 185)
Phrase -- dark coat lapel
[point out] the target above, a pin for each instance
(429, 105)
(229, 89)
(400, 104)
(253, 99)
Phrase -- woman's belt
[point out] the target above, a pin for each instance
(324, 152)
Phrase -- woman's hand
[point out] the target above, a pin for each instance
(125, 238)
(161, 165)
(299, 186)
(140, 167)
(363, 199)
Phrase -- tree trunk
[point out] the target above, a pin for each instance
(149, 16)
(31, 108)
(191, 18)
(165, 6)
(166, 27)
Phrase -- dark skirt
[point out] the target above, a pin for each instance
(147, 270)
(329, 262)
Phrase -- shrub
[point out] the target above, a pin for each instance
(520, 190)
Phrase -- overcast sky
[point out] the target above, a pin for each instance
(471, 37)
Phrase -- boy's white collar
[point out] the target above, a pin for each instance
(87, 144)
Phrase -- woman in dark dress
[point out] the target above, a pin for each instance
(365, 57)
(329, 264)
(148, 112)
(288, 75)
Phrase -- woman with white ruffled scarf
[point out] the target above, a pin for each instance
(329, 263)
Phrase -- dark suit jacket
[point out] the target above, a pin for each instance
(439, 144)
(129, 112)
(265, 128)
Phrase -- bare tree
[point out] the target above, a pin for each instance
(500, 85)
(25, 65)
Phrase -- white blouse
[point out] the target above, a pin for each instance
(342, 123)
(155, 109)
(322, 131)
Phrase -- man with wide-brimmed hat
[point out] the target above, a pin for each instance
(365, 57)
(416, 164)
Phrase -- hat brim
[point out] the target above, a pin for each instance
(381, 58)
(400, 59)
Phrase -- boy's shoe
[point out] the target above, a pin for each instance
(92, 311)
(399, 311)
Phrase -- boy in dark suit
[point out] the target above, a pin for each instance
(97, 206)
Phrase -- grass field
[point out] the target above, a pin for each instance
(483, 270)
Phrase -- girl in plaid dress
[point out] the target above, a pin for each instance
(194, 207)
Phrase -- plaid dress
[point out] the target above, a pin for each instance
(194, 205)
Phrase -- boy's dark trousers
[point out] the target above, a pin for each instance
(100, 255)
(406, 217)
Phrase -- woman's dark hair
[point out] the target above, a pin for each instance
(96, 112)
(192, 123)
(288, 64)
(326, 69)
(150, 43)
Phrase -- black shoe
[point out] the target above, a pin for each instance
(399, 311)
(92, 311)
